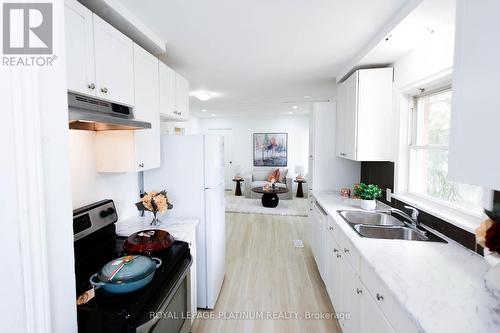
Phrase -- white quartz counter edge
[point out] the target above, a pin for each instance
(180, 228)
(441, 286)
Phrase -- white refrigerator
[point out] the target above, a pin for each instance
(192, 172)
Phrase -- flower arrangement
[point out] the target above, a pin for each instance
(154, 202)
(367, 192)
(488, 233)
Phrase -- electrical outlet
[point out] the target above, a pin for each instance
(388, 195)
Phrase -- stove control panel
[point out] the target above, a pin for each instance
(91, 218)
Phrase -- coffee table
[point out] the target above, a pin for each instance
(270, 197)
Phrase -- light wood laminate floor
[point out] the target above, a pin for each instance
(266, 273)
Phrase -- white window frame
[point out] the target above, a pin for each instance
(448, 212)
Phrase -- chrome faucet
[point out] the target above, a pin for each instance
(413, 219)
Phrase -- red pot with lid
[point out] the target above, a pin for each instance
(148, 241)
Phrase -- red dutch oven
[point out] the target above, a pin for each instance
(148, 241)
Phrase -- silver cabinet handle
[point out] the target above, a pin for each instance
(346, 250)
(335, 250)
(359, 291)
(91, 86)
(104, 90)
(339, 256)
(380, 297)
(141, 165)
(330, 228)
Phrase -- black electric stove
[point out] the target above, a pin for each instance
(96, 244)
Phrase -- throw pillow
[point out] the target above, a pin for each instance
(282, 175)
(274, 175)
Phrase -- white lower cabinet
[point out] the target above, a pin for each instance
(354, 288)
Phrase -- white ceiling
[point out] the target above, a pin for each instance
(258, 54)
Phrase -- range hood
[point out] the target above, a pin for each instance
(91, 114)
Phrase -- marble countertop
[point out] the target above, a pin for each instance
(441, 286)
(180, 228)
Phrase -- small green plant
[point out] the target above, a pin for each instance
(368, 192)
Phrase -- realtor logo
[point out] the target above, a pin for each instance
(27, 28)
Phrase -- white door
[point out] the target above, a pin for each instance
(214, 160)
(147, 141)
(229, 164)
(351, 301)
(372, 318)
(114, 63)
(79, 48)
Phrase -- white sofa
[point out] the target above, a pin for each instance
(259, 177)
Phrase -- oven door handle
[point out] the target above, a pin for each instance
(147, 326)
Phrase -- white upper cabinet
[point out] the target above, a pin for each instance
(365, 116)
(167, 91)
(135, 150)
(79, 48)
(473, 154)
(182, 97)
(147, 142)
(114, 63)
(174, 95)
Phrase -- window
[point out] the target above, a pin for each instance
(428, 167)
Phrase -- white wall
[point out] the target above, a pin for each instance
(192, 126)
(88, 185)
(426, 63)
(243, 128)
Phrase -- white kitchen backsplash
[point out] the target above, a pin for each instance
(88, 186)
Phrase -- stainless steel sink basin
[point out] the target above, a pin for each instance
(369, 218)
(383, 225)
(389, 232)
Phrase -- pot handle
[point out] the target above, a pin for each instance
(158, 261)
(93, 282)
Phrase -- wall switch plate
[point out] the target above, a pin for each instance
(388, 195)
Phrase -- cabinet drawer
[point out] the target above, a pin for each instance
(349, 251)
(385, 299)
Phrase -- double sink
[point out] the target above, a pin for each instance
(385, 226)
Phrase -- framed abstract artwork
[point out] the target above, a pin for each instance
(270, 149)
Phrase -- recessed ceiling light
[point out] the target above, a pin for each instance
(290, 112)
(204, 110)
(307, 96)
(295, 107)
(212, 115)
(203, 95)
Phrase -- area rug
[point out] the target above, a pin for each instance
(295, 207)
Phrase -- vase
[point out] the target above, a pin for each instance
(155, 221)
(492, 277)
(368, 204)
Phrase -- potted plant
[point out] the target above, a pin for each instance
(368, 195)
(488, 236)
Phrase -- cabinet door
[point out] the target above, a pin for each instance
(339, 123)
(182, 97)
(473, 156)
(333, 266)
(349, 116)
(351, 300)
(372, 319)
(147, 141)
(79, 48)
(167, 90)
(114, 63)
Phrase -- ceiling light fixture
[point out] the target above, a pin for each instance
(212, 115)
(307, 96)
(204, 110)
(290, 112)
(203, 95)
(295, 107)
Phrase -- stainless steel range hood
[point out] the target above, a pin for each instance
(91, 114)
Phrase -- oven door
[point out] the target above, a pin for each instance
(173, 314)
